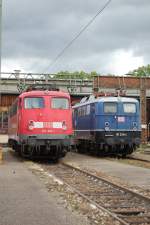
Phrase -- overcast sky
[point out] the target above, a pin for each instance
(35, 31)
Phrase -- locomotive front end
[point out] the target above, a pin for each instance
(119, 117)
(44, 124)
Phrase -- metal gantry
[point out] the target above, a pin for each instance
(17, 82)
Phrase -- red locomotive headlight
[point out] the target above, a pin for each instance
(31, 125)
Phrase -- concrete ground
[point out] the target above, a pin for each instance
(24, 199)
(131, 174)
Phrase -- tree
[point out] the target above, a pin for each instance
(75, 75)
(143, 71)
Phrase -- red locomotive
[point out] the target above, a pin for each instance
(40, 123)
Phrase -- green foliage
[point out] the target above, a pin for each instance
(143, 71)
(74, 75)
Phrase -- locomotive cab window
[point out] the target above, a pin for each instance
(60, 103)
(129, 107)
(110, 107)
(34, 103)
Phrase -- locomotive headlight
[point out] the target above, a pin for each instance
(134, 126)
(64, 126)
(107, 126)
(107, 129)
(31, 125)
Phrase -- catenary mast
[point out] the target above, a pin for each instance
(0, 44)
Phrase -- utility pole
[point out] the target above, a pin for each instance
(0, 61)
(0, 45)
(0, 32)
(143, 109)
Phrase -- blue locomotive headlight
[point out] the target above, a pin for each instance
(107, 126)
(134, 126)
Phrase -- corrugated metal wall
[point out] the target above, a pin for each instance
(7, 100)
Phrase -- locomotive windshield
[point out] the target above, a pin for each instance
(110, 107)
(34, 103)
(60, 103)
(129, 107)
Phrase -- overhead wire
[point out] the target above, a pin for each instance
(78, 35)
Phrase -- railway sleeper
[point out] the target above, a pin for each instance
(118, 198)
(126, 210)
(123, 201)
(141, 219)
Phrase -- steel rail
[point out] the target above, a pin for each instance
(98, 206)
(124, 194)
(124, 217)
(109, 182)
(138, 159)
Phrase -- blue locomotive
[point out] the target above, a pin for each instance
(107, 125)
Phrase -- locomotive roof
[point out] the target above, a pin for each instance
(92, 99)
(43, 93)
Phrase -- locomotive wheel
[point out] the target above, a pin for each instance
(124, 155)
(81, 148)
(27, 151)
(18, 148)
(55, 160)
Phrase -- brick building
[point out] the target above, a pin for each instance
(138, 87)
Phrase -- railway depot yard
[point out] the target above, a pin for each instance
(33, 192)
(25, 200)
(131, 174)
(74, 112)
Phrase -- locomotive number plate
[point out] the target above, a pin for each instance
(121, 119)
(41, 125)
(122, 134)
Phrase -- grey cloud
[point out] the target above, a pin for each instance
(40, 29)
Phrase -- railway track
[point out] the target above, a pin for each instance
(124, 205)
(132, 161)
(138, 159)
